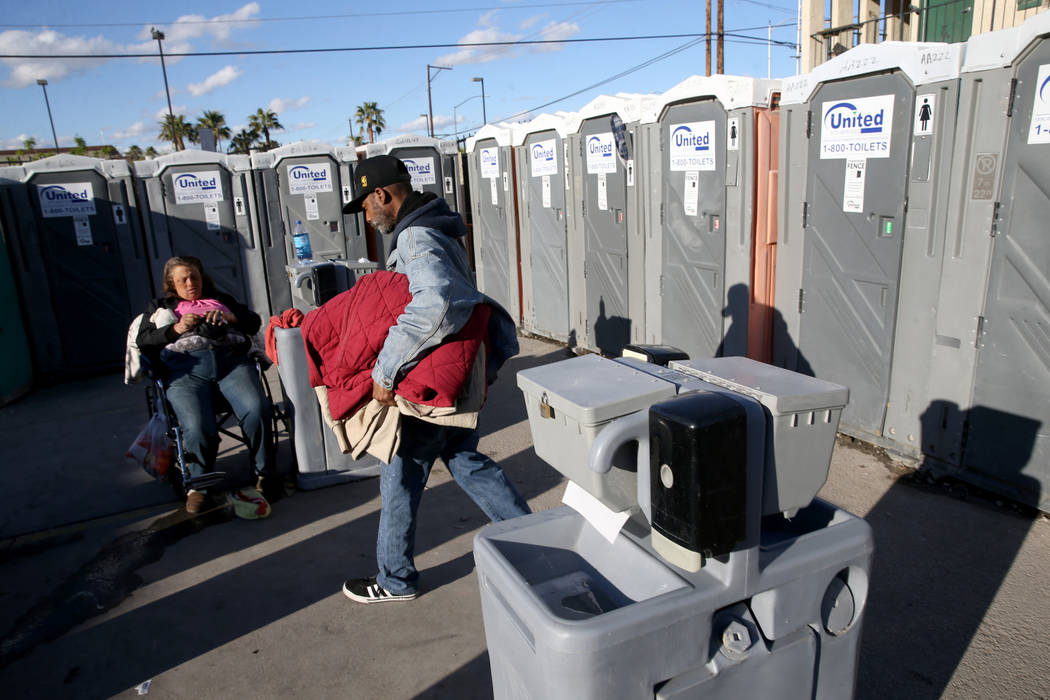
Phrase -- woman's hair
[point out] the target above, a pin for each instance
(207, 285)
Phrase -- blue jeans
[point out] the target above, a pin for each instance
(401, 485)
(192, 380)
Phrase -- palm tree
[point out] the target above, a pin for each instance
(243, 141)
(174, 128)
(262, 122)
(134, 153)
(151, 152)
(370, 117)
(216, 122)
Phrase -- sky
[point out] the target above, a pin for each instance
(120, 101)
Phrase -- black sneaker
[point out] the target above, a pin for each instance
(368, 590)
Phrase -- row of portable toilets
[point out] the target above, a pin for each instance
(879, 222)
(87, 239)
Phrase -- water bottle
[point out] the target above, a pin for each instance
(301, 241)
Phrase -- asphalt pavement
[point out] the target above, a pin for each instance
(108, 589)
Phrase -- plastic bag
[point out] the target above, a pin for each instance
(153, 450)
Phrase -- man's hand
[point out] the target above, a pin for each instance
(383, 395)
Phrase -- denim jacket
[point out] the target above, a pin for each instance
(428, 248)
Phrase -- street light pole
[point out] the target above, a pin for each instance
(159, 36)
(430, 105)
(43, 84)
(484, 114)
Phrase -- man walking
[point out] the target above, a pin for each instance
(426, 247)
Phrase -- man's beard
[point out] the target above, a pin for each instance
(383, 223)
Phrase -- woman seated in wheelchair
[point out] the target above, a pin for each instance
(205, 347)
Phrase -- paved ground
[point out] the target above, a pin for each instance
(105, 584)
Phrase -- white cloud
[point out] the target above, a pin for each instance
(417, 124)
(281, 105)
(175, 109)
(480, 54)
(303, 125)
(556, 31)
(488, 19)
(224, 77)
(26, 71)
(136, 130)
(532, 21)
(189, 27)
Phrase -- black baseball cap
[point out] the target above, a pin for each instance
(377, 171)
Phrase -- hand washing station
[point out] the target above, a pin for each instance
(721, 574)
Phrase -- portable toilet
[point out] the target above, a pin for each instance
(703, 178)
(16, 371)
(78, 258)
(431, 162)
(606, 247)
(989, 397)
(309, 182)
(544, 198)
(857, 276)
(201, 203)
(494, 209)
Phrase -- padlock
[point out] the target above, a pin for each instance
(545, 408)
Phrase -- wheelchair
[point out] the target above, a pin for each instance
(156, 399)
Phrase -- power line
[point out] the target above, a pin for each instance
(303, 18)
(345, 49)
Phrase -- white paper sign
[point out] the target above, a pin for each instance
(603, 193)
(82, 230)
(310, 200)
(924, 113)
(604, 520)
(211, 216)
(494, 190)
(733, 134)
(853, 191)
(692, 146)
(601, 153)
(1039, 127)
(421, 170)
(546, 191)
(691, 195)
(542, 158)
(489, 159)
(66, 199)
(565, 160)
(196, 187)
(309, 177)
(856, 128)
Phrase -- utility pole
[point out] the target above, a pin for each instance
(709, 37)
(721, 39)
(430, 105)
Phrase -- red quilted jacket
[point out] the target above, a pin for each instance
(344, 336)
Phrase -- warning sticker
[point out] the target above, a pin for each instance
(196, 187)
(924, 112)
(856, 128)
(603, 193)
(542, 160)
(1039, 127)
(601, 153)
(853, 191)
(691, 195)
(211, 216)
(692, 146)
(546, 191)
(489, 162)
(494, 190)
(82, 230)
(304, 178)
(66, 199)
(312, 212)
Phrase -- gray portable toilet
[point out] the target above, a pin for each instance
(201, 203)
(701, 194)
(309, 182)
(494, 208)
(989, 387)
(857, 273)
(544, 198)
(606, 245)
(78, 258)
(431, 162)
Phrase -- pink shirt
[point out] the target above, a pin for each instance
(199, 307)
